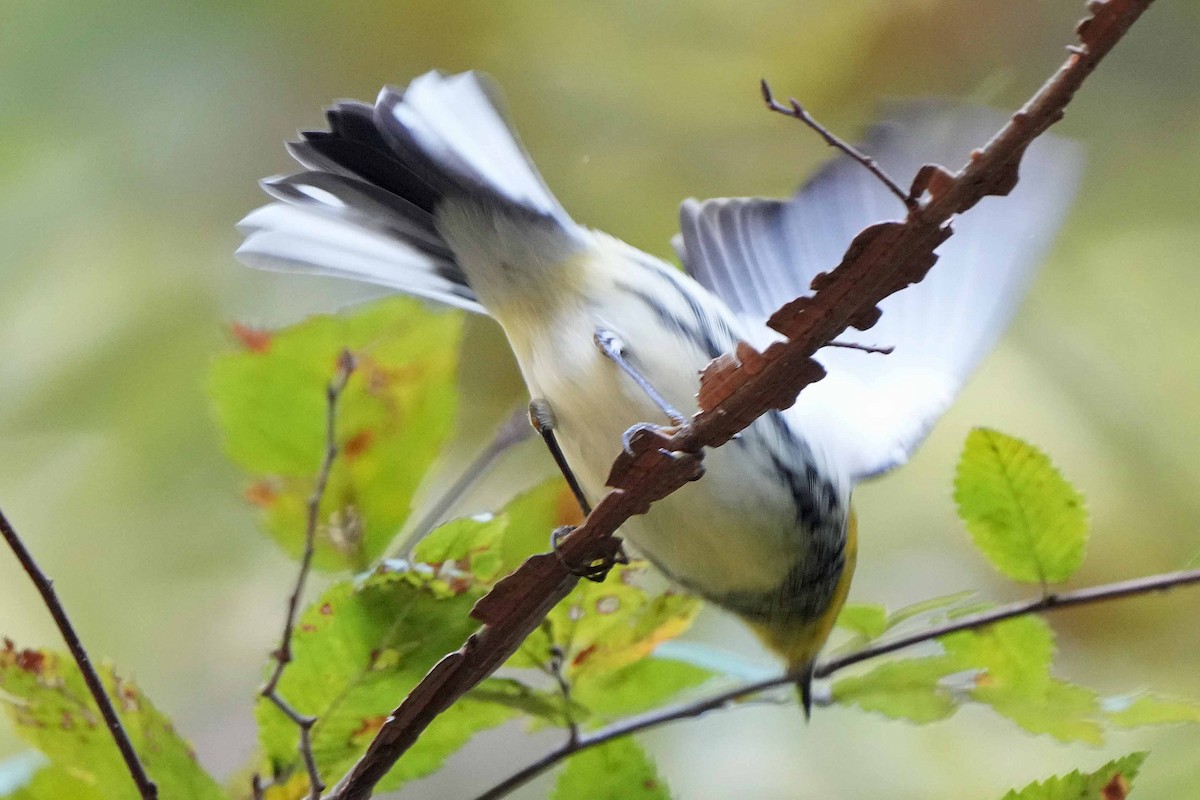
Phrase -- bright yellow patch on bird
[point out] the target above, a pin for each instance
(800, 643)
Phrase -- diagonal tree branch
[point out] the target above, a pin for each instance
(145, 785)
(655, 719)
(738, 388)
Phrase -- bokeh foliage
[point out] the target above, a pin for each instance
(135, 132)
(384, 622)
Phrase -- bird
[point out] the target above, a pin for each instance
(428, 191)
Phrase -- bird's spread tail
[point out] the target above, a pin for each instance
(366, 206)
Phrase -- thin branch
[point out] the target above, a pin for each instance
(514, 430)
(655, 719)
(797, 111)
(736, 389)
(145, 786)
(866, 348)
(283, 653)
(557, 664)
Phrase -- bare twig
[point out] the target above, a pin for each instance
(737, 388)
(556, 667)
(654, 719)
(797, 111)
(283, 653)
(145, 786)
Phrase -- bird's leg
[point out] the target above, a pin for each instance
(613, 348)
(541, 416)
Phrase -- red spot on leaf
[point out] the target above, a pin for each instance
(369, 726)
(583, 655)
(325, 609)
(357, 444)
(459, 584)
(253, 339)
(379, 378)
(127, 693)
(650, 785)
(31, 661)
(1117, 788)
(261, 494)
(308, 627)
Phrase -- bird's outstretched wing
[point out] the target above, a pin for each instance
(872, 411)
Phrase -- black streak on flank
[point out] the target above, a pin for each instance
(693, 330)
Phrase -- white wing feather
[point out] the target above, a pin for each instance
(872, 411)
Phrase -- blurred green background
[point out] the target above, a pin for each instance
(133, 135)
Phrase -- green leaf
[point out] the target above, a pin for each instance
(49, 704)
(1111, 782)
(1013, 659)
(868, 621)
(1150, 709)
(1021, 512)
(908, 612)
(544, 705)
(532, 516)
(393, 417)
(360, 648)
(636, 687)
(605, 626)
(55, 783)
(606, 633)
(910, 689)
(618, 770)
(469, 545)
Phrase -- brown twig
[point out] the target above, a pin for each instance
(654, 719)
(796, 111)
(145, 786)
(737, 388)
(283, 653)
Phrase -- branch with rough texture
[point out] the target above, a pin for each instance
(654, 719)
(145, 786)
(283, 653)
(737, 388)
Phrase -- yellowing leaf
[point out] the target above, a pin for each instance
(358, 649)
(49, 704)
(605, 626)
(393, 417)
(1020, 511)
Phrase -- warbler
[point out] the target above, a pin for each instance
(429, 192)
